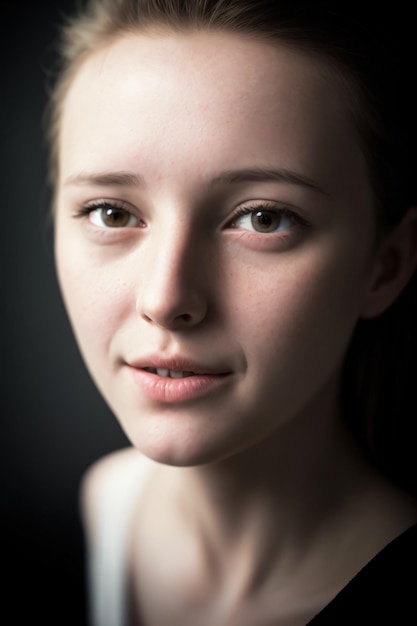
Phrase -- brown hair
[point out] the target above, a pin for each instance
(367, 52)
(358, 53)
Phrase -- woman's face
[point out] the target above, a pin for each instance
(214, 218)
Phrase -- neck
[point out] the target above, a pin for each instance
(285, 523)
(278, 496)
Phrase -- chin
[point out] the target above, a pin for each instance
(180, 449)
(177, 455)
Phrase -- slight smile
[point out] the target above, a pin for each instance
(175, 380)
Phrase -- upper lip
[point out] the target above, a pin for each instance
(177, 363)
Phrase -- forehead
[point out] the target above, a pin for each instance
(171, 103)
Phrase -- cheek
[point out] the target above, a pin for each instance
(304, 303)
(294, 321)
(94, 294)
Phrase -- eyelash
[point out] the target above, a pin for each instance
(274, 210)
(96, 205)
(240, 212)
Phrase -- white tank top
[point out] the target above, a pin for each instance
(107, 549)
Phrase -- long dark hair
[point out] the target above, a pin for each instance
(370, 52)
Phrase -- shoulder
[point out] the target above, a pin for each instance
(107, 480)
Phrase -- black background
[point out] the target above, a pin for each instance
(53, 422)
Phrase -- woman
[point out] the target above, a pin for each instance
(233, 212)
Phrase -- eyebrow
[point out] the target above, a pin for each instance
(258, 174)
(231, 177)
(105, 179)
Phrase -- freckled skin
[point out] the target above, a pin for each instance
(272, 508)
(277, 312)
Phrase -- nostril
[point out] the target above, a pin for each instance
(177, 311)
(185, 317)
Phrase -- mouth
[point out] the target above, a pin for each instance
(177, 367)
(164, 372)
(167, 373)
(172, 380)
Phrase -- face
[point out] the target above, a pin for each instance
(214, 237)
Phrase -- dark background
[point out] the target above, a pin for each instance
(53, 422)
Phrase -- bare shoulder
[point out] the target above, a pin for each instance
(108, 473)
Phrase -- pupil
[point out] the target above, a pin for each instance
(115, 217)
(265, 221)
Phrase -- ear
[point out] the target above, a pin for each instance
(395, 264)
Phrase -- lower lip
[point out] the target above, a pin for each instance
(175, 390)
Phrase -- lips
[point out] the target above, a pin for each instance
(177, 367)
(166, 373)
(176, 379)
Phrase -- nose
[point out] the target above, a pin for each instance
(173, 295)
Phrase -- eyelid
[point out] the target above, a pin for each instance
(266, 205)
(278, 208)
(88, 208)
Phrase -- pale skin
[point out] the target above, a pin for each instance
(259, 500)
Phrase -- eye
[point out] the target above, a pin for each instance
(265, 219)
(110, 215)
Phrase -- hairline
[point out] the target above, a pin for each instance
(330, 68)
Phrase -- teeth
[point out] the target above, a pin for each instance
(175, 374)
(161, 371)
